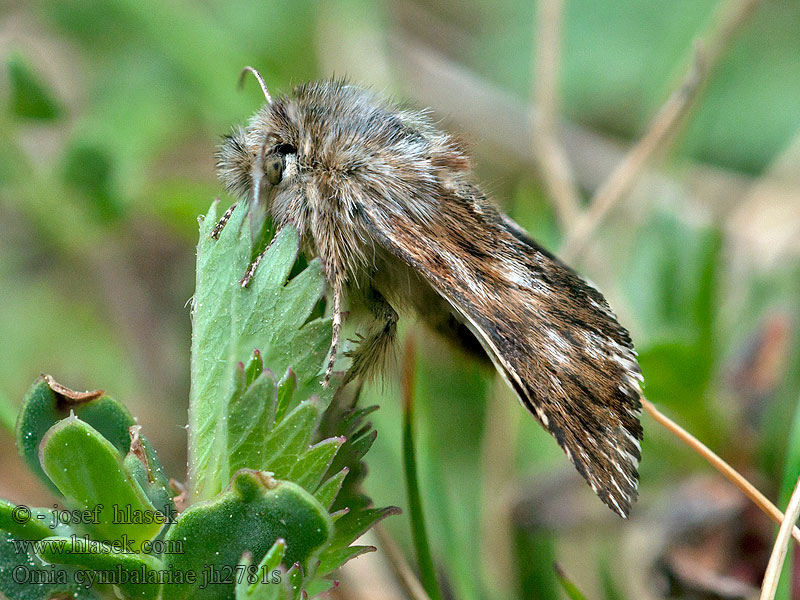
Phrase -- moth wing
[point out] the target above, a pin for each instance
(551, 335)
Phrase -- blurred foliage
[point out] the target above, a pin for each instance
(29, 99)
(110, 111)
(260, 488)
(622, 57)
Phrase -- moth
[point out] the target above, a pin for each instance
(389, 204)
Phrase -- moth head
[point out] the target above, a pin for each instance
(256, 161)
(331, 140)
(255, 167)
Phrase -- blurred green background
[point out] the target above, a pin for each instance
(110, 111)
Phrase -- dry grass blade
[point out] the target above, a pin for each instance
(730, 19)
(626, 173)
(729, 472)
(716, 41)
(778, 556)
(547, 148)
(402, 569)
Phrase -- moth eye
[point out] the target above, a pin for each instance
(273, 168)
(275, 162)
(286, 149)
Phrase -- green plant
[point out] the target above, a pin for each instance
(272, 505)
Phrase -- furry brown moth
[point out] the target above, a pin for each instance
(389, 204)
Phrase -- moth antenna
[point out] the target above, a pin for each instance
(261, 81)
(337, 327)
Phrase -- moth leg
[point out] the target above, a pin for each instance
(251, 269)
(337, 329)
(222, 222)
(374, 348)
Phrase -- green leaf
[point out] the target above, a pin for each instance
(286, 389)
(254, 368)
(341, 490)
(274, 558)
(291, 438)
(269, 581)
(303, 293)
(143, 465)
(249, 418)
(284, 450)
(28, 523)
(335, 559)
(23, 575)
(295, 577)
(318, 588)
(327, 492)
(140, 571)
(361, 444)
(791, 468)
(255, 512)
(353, 524)
(341, 420)
(229, 321)
(570, 589)
(43, 406)
(419, 534)
(89, 169)
(349, 422)
(29, 98)
(90, 473)
(310, 468)
(534, 553)
(241, 420)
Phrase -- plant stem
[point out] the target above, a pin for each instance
(402, 570)
(660, 135)
(791, 470)
(731, 474)
(424, 559)
(778, 556)
(548, 150)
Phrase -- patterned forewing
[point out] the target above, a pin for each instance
(550, 334)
